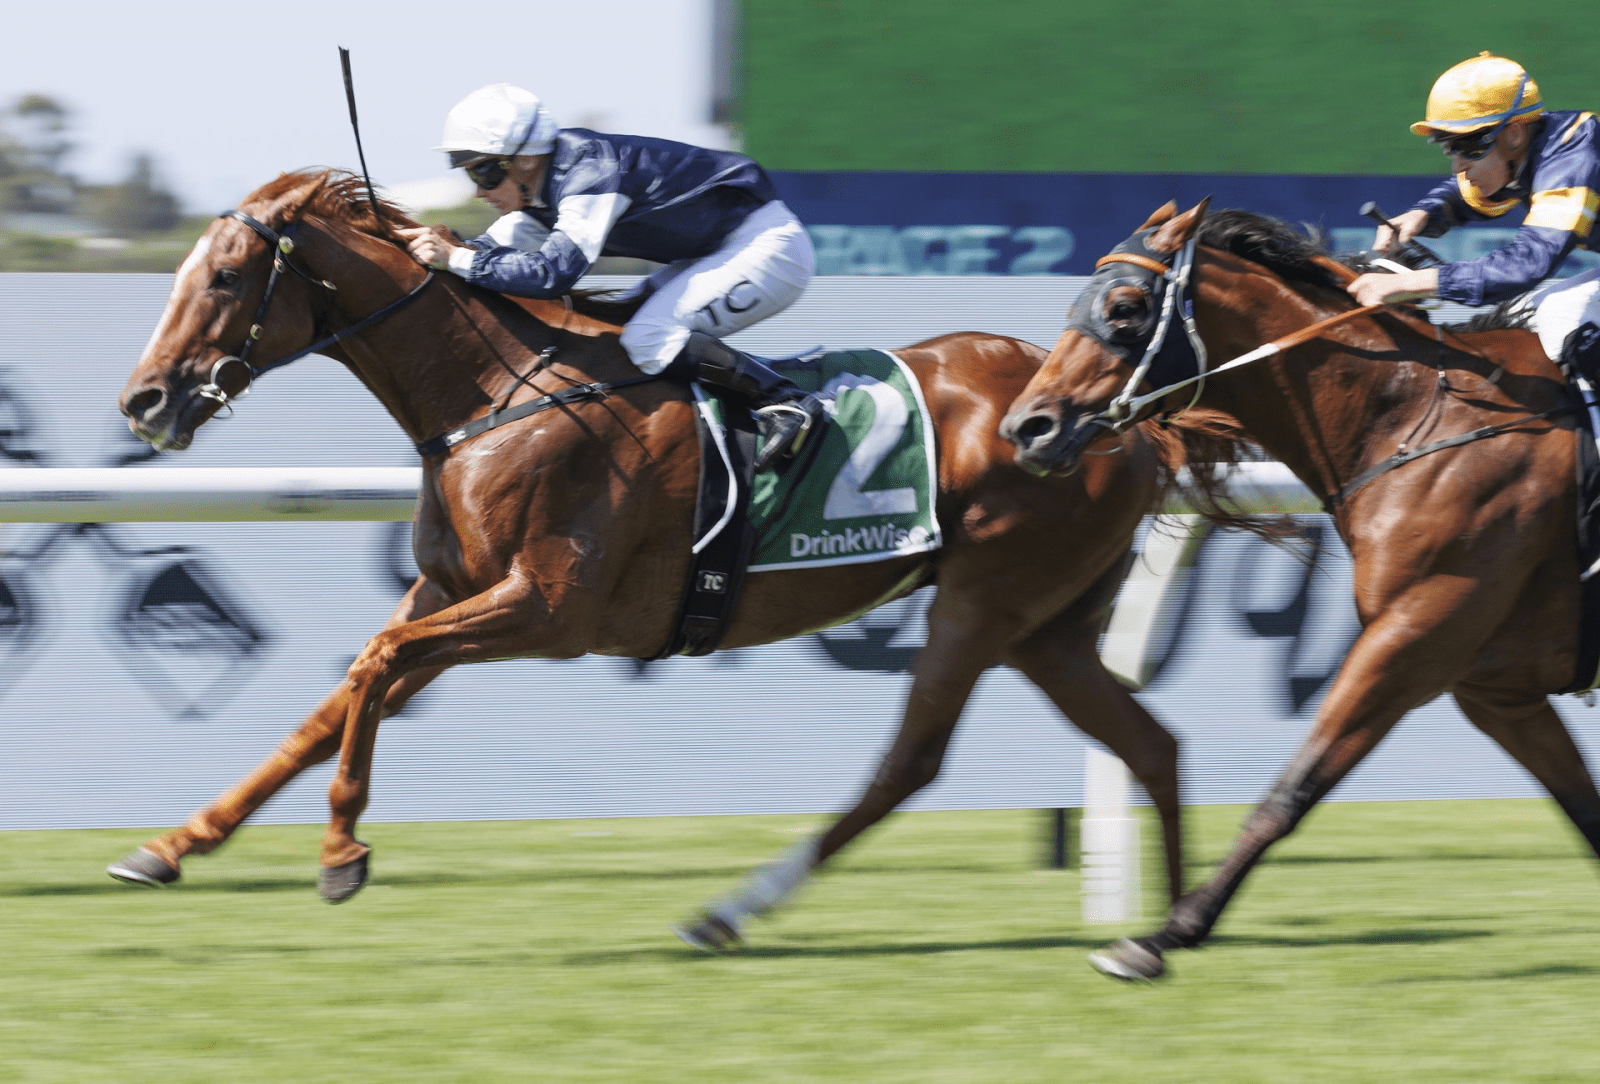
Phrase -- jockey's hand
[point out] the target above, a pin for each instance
(1410, 224)
(1379, 288)
(430, 245)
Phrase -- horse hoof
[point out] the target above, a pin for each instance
(1129, 960)
(710, 934)
(144, 868)
(335, 884)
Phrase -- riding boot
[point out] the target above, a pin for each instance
(1581, 352)
(785, 413)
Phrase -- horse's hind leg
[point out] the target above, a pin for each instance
(959, 648)
(1063, 660)
(158, 862)
(1529, 729)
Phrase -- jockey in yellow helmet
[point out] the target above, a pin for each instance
(1506, 150)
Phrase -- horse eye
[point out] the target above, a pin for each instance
(1127, 310)
(225, 278)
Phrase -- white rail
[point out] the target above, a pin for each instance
(276, 494)
(206, 494)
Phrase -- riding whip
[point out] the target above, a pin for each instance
(1413, 254)
(355, 126)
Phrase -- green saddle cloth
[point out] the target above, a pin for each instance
(863, 488)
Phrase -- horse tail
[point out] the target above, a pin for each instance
(1196, 451)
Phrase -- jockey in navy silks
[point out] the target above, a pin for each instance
(1506, 150)
(733, 253)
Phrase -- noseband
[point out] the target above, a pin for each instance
(283, 246)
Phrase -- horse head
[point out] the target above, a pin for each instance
(1121, 335)
(217, 316)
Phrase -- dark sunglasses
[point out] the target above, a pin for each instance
(1468, 148)
(488, 174)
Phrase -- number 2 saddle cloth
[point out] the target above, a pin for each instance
(863, 488)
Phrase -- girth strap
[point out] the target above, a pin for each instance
(1401, 458)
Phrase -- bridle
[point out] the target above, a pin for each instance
(1171, 274)
(283, 246)
(1167, 277)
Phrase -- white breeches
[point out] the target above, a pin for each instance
(761, 269)
(1562, 307)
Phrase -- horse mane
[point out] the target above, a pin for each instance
(337, 195)
(1193, 444)
(1198, 450)
(1294, 253)
(341, 196)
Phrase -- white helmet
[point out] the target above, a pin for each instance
(497, 120)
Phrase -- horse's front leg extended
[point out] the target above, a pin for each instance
(509, 620)
(158, 862)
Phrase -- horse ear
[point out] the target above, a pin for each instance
(1175, 233)
(1162, 214)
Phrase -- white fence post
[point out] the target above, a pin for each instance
(1110, 832)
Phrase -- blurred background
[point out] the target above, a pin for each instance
(123, 131)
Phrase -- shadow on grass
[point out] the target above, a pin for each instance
(206, 953)
(1548, 971)
(499, 878)
(684, 953)
(1407, 859)
(1417, 936)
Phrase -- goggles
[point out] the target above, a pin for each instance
(488, 174)
(1468, 148)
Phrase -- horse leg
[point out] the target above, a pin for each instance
(158, 862)
(1399, 662)
(512, 619)
(1063, 660)
(1530, 730)
(958, 650)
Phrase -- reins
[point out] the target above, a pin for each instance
(283, 247)
(1123, 410)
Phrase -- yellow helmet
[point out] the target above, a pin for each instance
(1486, 91)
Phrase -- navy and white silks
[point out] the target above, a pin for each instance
(1560, 185)
(734, 254)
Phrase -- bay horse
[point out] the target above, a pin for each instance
(1446, 460)
(569, 532)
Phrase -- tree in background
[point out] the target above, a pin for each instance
(137, 205)
(33, 143)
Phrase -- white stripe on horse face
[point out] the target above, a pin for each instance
(190, 262)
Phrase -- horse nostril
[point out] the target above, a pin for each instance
(145, 404)
(1033, 427)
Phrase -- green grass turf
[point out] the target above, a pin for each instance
(1426, 941)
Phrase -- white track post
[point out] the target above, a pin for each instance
(1110, 832)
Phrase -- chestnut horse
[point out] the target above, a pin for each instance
(1464, 552)
(569, 532)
